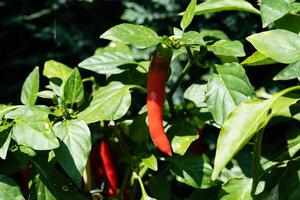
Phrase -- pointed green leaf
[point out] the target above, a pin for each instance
(114, 47)
(226, 89)
(257, 59)
(58, 74)
(227, 48)
(183, 135)
(196, 94)
(74, 148)
(192, 38)
(61, 186)
(288, 186)
(109, 103)
(135, 35)
(290, 72)
(272, 10)
(223, 5)
(73, 89)
(212, 35)
(33, 128)
(30, 87)
(280, 45)
(5, 137)
(6, 109)
(107, 62)
(188, 15)
(237, 189)
(289, 22)
(150, 161)
(9, 189)
(244, 122)
(39, 191)
(54, 69)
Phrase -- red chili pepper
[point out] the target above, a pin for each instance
(25, 174)
(157, 78)
(197, 146)
(106, 155)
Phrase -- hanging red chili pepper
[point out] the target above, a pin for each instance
(110, 170)
(157, 78)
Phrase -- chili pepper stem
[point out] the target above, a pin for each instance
(87, 177)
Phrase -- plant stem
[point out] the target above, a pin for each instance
(142, 89)
(92, 79)
(180, 78)
(124, 183)
(256, 168)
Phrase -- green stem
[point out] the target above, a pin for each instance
(256, 167)
(91, 79)
(143, 171)
(171, 106)
(184, 72)
(177, 83)
(142, 89)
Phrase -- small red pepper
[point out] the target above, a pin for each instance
(106, 155)
(157, 78)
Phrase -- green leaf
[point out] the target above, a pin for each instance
(188, 15)
(74, 148)
(56, 182)
(160, 188)
(272, 10)
(290, 72)
(73, 89)
(5, 137)
(192, 38)
(107, 62)
(150, 161)
(237, 189)
(196, 94)
(288, 186)
(9, 189)
(244, 122)
(193, 171)
(6, 109)
(289, 22)
(109, 103)
(30, 88)
(183, 135)
(32, 128)
(54, 69)
(114, 47)
(210, 6)
(280, 45)
(212, 35)
(227, 48)
(58, 74)
(46, 94)
(129, 77)
(135, 35)
(257, 59)
(227, 88)
(39, 191)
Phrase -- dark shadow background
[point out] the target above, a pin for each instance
(68, 31)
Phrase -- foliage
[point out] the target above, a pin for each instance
(230, 139)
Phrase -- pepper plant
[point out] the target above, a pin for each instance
(222, 138)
